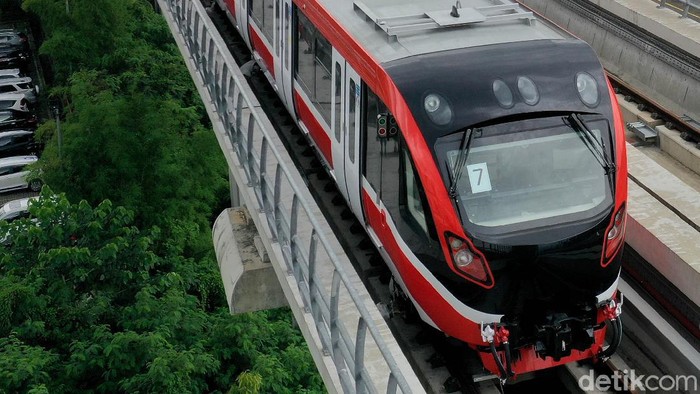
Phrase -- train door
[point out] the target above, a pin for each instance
(242, 20)
(283, 50)
(345, 127)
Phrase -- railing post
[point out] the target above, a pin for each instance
(360, 355)
(312, 274)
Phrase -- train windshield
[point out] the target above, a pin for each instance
(530, 173)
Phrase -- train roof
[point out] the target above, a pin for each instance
(395, 29)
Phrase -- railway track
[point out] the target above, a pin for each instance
(442, 362)
(681, 60)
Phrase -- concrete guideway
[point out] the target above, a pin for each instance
(669, 239)
(670, 243)
(675, 86)
(663, 23)
(349, 340)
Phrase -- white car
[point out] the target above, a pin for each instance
(20, 85)
(15, 101)
(14, 174)
(12, 38)
(15, 209)
(11, 73)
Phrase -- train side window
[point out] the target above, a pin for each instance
(375, 147)
(313, 64)
(352, 103)
(403, 195)
(381, 155)
(262, 13)
(411, 199)
(338, 95)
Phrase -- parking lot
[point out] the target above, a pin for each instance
(36, 104)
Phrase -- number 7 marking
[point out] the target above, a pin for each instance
(479, 177)
(480, 171)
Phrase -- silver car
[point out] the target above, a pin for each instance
(20, 85)
(15, 101)
(11, 73)
(12, 38)
(14, 174)
(15, 209)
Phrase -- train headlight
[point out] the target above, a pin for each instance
(463, 258)
(438, 109)
(528, 90)
(503, 93)
(617, 225)
(469, 262)
(614, 236)
(587, 88)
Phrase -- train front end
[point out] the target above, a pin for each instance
(529, 141)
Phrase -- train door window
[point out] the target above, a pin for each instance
(279, 23)
(262, 13)
(338, 95)
(287, 49)
(313, 64)
(352, 103)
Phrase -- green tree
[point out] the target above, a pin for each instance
(127, 296)
(148, 154)
(87, 305)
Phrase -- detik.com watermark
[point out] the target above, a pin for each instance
(630, 381)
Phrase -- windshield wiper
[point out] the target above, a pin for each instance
(592, 143)
(461, 161)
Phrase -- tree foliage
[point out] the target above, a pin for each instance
(112, 285)
(87, 305)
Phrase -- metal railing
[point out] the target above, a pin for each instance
(281, 201)
(687, 4)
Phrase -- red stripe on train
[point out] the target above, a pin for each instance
(231, 5)
(317, 132)
(261, 48)
(428, 297)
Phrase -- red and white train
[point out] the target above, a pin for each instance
(482, 148)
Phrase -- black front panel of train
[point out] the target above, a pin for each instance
(465, 78)
(539, 278)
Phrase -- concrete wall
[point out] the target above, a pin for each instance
(672, 89)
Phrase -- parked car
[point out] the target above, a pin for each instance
(11, 119)
(14, 101)
(10, 38)
(14, 174)
(15, 209)
(18, 142)
(11, 73)
(20, 85)
(13, 58)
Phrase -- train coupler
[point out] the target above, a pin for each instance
(497, 336)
